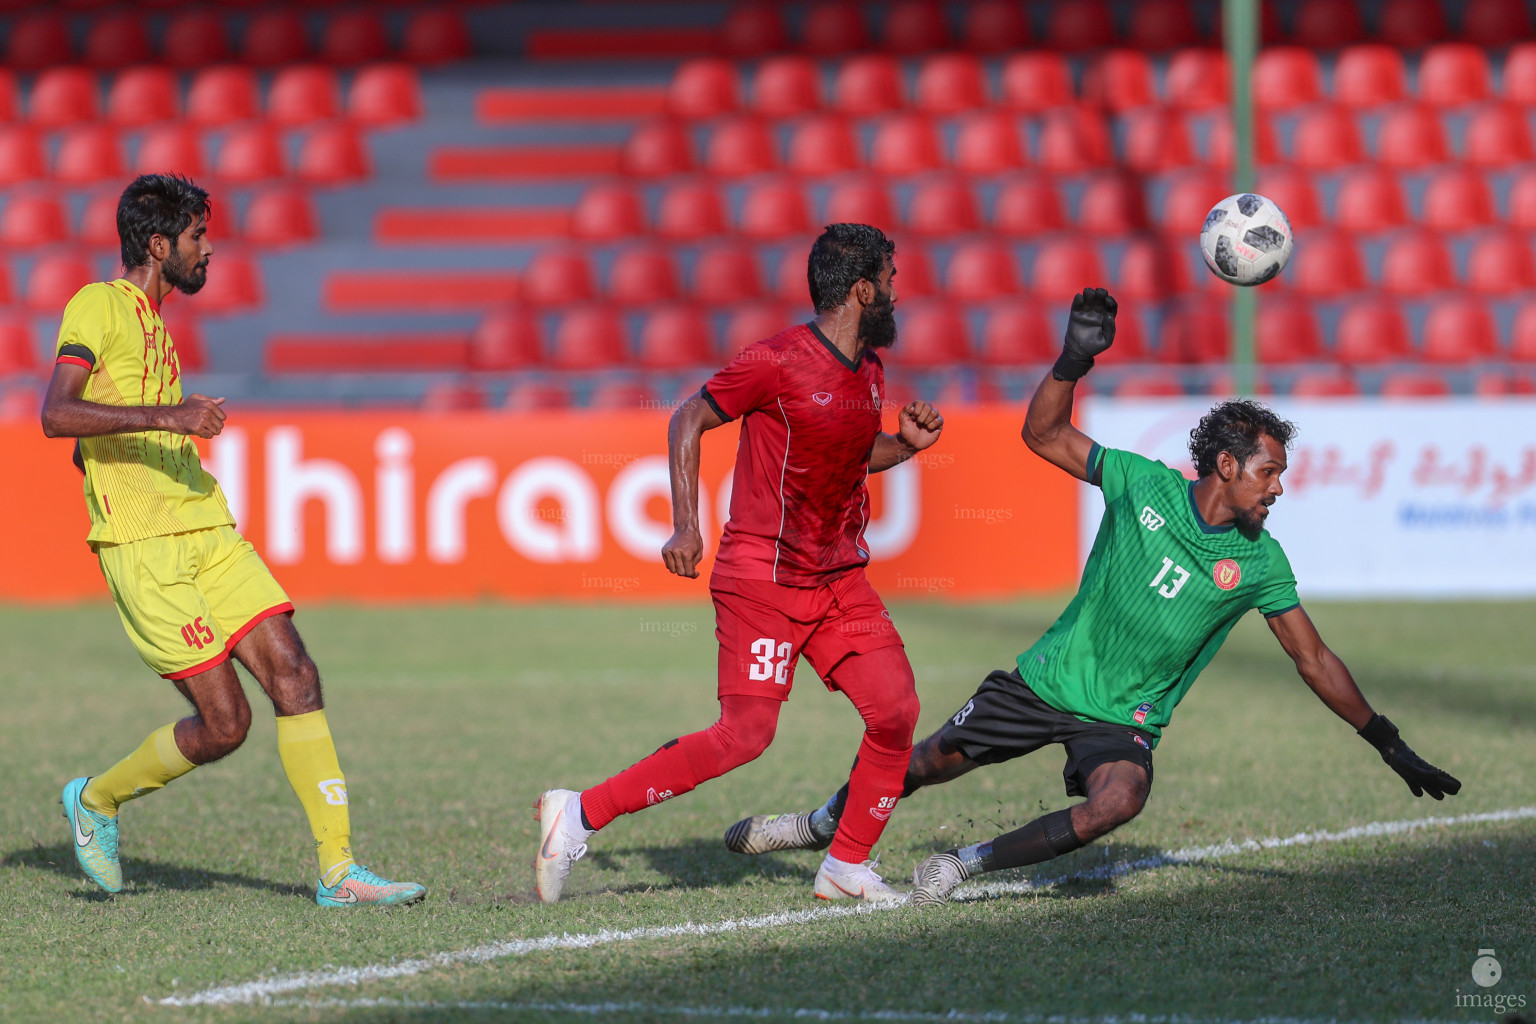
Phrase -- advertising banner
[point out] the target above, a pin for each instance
(410, 506)
(1413, 498)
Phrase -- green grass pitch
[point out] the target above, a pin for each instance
(451, 719)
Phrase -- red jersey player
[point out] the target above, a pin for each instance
(789, 576)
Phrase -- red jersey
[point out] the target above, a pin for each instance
(799, 504)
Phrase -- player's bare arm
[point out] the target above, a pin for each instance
(1327, 676)
(1048, 428)
(66, 414)
(685, 547)
(919, 426)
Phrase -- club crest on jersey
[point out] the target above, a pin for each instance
(874, 395)
(1227, 574)
(1140, 741)
(822, 397)
(1142, 712)
(1150, 519)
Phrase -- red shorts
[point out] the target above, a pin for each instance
(764, 627)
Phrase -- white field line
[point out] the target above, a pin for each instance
(264, 989)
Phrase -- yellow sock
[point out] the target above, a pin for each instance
(309, 758)
(156, 762)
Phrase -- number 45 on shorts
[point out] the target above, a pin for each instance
(197, 634)
(772, 662)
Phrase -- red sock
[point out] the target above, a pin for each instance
(873, 789)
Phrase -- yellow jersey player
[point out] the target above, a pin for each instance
(191, 592)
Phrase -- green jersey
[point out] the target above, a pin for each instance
(1161, 591)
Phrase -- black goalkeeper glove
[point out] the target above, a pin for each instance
(1090, 330)
(1421, 776)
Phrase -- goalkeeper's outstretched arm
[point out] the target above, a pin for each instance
(1048, 428)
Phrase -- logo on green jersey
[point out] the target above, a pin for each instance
(1142, 712)
(1227, 574)
(1150, 519)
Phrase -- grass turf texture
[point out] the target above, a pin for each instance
(451, 719)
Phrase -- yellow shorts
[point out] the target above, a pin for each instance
(188, 598)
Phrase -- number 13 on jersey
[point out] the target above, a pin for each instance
(1170, 589)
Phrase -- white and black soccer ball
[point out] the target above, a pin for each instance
(1246, 239)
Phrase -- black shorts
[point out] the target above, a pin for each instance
(1006, 719)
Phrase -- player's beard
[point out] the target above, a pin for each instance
(1250, 521)
(186, 279)
(877, 323)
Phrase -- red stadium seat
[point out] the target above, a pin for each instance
(994, 26)
(507, 339)
(1411, 24)
(98, 221)
(834, 27)
(332, 154)
(1522, 342)
(558, 277)
(10, 100)
(786, 87)
(948, 83)
(1371, 331)
(1522, 199)
(87, 154)
(861, 201)
(980, 271)
(304, 93)
(589, 338)
(1500, 264)
(675, 337)
(754, 28)
(1119, 80)
(1151, 268)
(18, 349)
(1285, 77)
(622, 394)
(384, 94)
(943, 206)
(435, 36)
(905, 144)
(233, 287)
(536, 396)
(1154, 139)
(914, 26)
(1194, 331)
(790, 284)
(753, 323)
(987, 142)
(452, 396)
(607, 211)
(704, 88)
(1459, 330)
(1027, 205)
(249, 153)
(727, 273)
(1080, 25)
(171, 147)
(1326, 264)
(1369, 201)
(1326, 24)
(658, 149)
(38, 41)
(63, 96)
(1451, 74)
(143, 95)
(1497, 383)
(1112, 204)
(1162, 25)
(775, 208)
(1457, 199)
(868, 84)
(1370, 75)
(1495, 23)
(933, 333)
(55, 280)
(914, 265)
(194, 39)
(274, 37)
(740, 146)
(1497, 136)
(29, 221)
(223, 95)
(1036, 81)
(354, 37)
(1197, 79)
(1326, 137)
(116, 41)
(1018, 332)
(1324, 384)
(1415, 264)
(690, 209)
(1292, 191)
(1411, 136)
(1191, 195)
(1413, 384)
(1520, 75)
(282, 216)
(1156, 384)
(1285, 331)
(1073, 141)
(1220, 144)
(822, 145)
(1065, 266)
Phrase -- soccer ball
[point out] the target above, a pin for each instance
(1246, 239)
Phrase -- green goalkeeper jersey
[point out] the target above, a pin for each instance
(1161, 591)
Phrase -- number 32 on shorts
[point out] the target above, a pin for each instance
(772, 660)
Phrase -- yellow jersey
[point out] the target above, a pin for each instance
(148, 483)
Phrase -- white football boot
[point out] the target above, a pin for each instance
(840, 880)
(562, 840)
(769, 833)
(937, 877)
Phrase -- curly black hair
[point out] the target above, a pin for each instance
(844, 255)
(156, 204)
(1235, 426)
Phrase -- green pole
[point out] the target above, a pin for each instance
(1240, 20)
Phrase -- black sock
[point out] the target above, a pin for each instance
(1048, 836)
